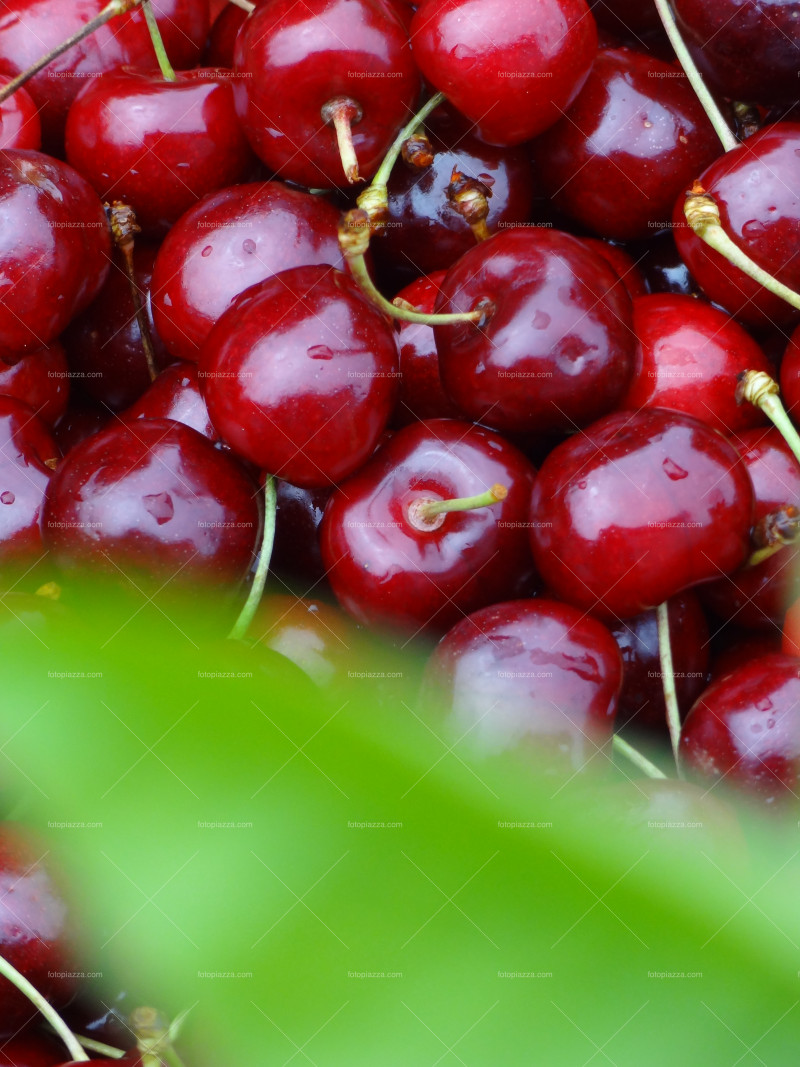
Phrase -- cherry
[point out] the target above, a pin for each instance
(27, 456)
(662, 267)
(389, 567)
(530, 675)
(557, 347)
(790, 375)
(40, 379)
(635, 137)
(759, 204)
(623, 263)
(82, 418)
(743, 646)
(688, 358)
(154, 498)
(228, 242)
(31, 1050)
(222, 36)
(175, 394)
(637, 508)
(19, 120)
(641, 702)
(747, 52)
(296, 555)
(32, 28)
(156, 144)
(300, 375)
(307, 67)
(745, 730)
(512, 69)
(104, 344)
(54, 248)
(34, 928)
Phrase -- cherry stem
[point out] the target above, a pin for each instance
(122, 220)
(154, 1038)
(343, 112)
(242, 624)
(110, 11)
(428, 510)
(375, 198)
(98, 1046)
(709, 104)
(668, 679)
(469, 197)
(636, 757)
(10, 972)
(354, 233)
(762, 391)
(702, 214)
(167, 71)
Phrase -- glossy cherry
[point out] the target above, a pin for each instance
(388, 569)
(637, 508)
(155, 144)
(556, 349)
(40, 379)
(529, 675)
(19, 120)
(296, 555)
(635, 137)
(296, 61)
(688, 358)
(744, 730)
(790, 376)
(222, 36)
(228, 242)
(175, 394)
(28, 454)
(758, 194)
(54, 248)
(510, 68)
(152, 501)
(623, 263)
(300, 375)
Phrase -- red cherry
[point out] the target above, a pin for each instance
(534, 675)
(157, 145)
(637, 508)
(510, 68)
(745, 730)
(27, 455)
(19, 120)
(228, 242)
(222, 36)
(790, 376)
(557, 348)
(30, 1049)
(175, 394)
(389, 569)
(40, 379)
(300, 375)
(296, 555)
(623, 263)
(319, 638)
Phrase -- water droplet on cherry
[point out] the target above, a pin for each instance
(673, 471)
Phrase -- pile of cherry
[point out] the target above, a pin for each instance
(547, 434)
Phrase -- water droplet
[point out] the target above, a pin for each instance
(160, 507)
(673, 471)
(249, 246)
(541, 320)
(7, 497)
(764, 704)
(320, 352)
(770, 724)
(753, 229)
(207, 251)
(582, 485)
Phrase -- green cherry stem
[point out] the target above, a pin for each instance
(167, 71)
(110, 11)
(9, 971)
(759, 389)
(709, 104)
(242, 624)
(636, 758)
(668, 679)
(91, 1045)
(427, 514)
(702, 214)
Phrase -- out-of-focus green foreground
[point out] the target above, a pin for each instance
(330, 879)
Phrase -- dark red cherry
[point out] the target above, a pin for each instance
(757, 190)
(748, 52)
(530, 675)
(296, 555)
(790, 376)
(104, 344)
(512, 69)
(175, 394)
(155, 144)
(300, 375)
(757, 596)
(297, 61)
(19, 120)
(626, 18)
(742, 646)
(228, 242)
(28, 454)
(556, 349)
(154, 500)
(389, 568)
(222, 36)
(82, 418)
(637, 508)
(745, 730)
(425, 233)
(54, 248)
(31, 1049)
(641, 702)
(663, 269)
(623, 263)
(40, 379)
(35, 928)
(688, 358)
(31, 28)
(635, 137)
